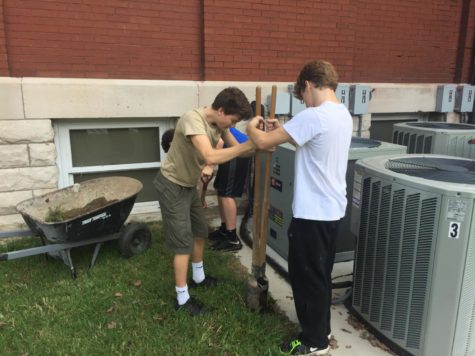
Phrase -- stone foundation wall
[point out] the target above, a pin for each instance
(29, 106)
(28, 155)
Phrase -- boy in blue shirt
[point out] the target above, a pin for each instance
(229, 184)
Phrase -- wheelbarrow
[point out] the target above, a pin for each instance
(92, 212)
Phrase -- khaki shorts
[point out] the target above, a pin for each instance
(182, 214)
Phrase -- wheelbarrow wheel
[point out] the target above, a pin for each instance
(135, 239)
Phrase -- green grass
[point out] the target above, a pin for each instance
(125, 306)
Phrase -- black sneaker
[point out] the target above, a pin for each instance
(209, 281)
(193, 307)
(296, 347)
(217, 235)
(227, 244)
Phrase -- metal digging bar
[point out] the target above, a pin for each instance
(258, 286)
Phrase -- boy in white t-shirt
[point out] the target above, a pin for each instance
(322, 136)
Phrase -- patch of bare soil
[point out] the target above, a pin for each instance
(333, 343)
(365, 334)
(57, 214)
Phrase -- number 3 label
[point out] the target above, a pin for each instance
(454, 230)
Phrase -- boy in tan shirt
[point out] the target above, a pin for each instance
(197, 134)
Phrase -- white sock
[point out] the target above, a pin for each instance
(182, 295)
(198, 271)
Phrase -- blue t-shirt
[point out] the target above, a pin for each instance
(238, 135)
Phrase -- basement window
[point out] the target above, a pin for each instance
(88, 149)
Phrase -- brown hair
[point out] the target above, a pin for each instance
(321, 73)
(233, 102)
(167, 138)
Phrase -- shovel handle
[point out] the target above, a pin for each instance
(257, 192)
(261, 212)
(264, 220)
(258, 101)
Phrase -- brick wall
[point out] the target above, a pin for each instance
(467, 66)
(106, 39)
(368, 41)
(411, 41)
(269, 40)
(3, 48)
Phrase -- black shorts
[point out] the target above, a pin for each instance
(231, 177)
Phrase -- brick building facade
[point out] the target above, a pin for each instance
(67, 66)
(260, 40)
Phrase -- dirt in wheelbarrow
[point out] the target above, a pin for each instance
(56, 213)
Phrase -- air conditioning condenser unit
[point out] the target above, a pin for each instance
(414, 269)
(436, 137)
(281, 193)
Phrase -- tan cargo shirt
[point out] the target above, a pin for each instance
(183, 163)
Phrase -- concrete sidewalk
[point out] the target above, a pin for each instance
(347, 341)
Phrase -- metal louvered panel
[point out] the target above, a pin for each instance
(459, 146)
(406, 269)
(420, 144)
(436, 138)
(392, 263)
(381, 254)
(370, 247)
(400, 138)
(464, 340)
(455, 146)
(412, 143)
(361, 244)
(468, 298)
(395, 136)
(428, 144)
(424, 253)
(390, 282)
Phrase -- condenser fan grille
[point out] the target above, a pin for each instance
(439, 169)
(359, 142)
(441, 125)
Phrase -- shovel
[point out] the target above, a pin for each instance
(257, 297)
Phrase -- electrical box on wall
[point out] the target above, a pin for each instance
(359, 99)
(445, 100)
(464, 96)
(343, 93)
(282, 103)
(296, 106)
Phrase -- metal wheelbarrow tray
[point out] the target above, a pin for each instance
(91, 212)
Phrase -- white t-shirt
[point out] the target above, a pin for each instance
(323, 137)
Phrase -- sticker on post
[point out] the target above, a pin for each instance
(454, 229)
